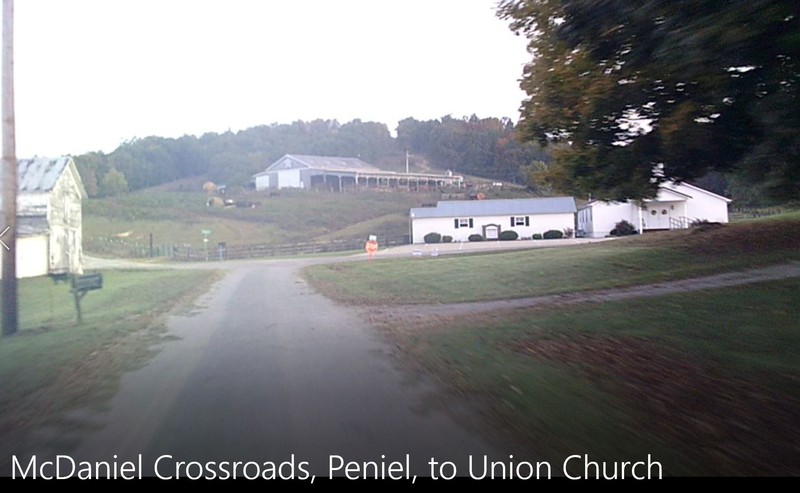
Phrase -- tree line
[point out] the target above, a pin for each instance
(485, 147)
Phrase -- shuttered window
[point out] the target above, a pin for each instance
(463, 223)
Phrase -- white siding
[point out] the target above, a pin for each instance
(446, 226)
(704, 205)
(31, 204)
(64, 215)
(606, 215)
(692, 203)
(262, 182)
(289, 178)
(31, 256)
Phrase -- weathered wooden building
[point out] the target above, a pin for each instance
(49, 217)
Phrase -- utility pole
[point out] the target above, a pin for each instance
(406, 161)
(9, 238)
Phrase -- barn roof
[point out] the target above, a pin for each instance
(503, 207)
(327, 163)
(40, 174)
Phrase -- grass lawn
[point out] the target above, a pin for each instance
(52, 364)
(707, 382)
(519, 274)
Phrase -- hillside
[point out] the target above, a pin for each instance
(485, 147)
(121, 226)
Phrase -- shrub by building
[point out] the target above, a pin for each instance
(509, 235)
(433, 238)
(623, 228)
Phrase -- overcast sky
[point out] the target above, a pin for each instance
(91, 74)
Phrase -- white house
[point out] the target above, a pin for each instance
(675, 206)
(339, 173)
(462, 218)
(49, 217)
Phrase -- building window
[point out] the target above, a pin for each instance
(463, 223)
(520, 221)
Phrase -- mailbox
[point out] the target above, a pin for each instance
(87, 282)
(82, 285)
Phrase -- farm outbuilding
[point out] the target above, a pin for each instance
(342, 173)
(49, 217)
(460, 219)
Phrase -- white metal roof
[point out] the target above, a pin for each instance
(40, 174)
(327, 163)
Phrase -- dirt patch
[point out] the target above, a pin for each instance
(729, 422)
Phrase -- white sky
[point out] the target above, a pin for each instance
(91, 74)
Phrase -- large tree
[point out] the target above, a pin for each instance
(634, 93)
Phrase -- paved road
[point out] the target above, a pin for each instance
(266, 368)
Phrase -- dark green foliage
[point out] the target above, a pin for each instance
(537, 236)
(447, 239)
(476, 237)
(623, 228)
(483, 147)
(553, 234)
(716, 84)
(703, 225)
(432, 238)
(113, 183)
(509, 235)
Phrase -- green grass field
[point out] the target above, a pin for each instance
(706, 382)
(53, 364)
(639, 260)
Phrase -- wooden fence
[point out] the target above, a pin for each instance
(222, 251)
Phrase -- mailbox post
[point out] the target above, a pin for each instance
(82, 285)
